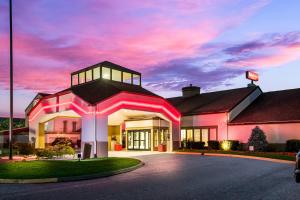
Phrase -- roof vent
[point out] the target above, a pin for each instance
(190, 91)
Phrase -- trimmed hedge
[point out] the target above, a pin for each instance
(214, 145)
(276, 147)
(192, 145)
(292, 145)
(234, 145)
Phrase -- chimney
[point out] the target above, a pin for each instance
(190, 91)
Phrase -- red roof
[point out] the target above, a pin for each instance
(272, 107)
(212, 102)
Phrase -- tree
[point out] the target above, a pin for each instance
(258, 139)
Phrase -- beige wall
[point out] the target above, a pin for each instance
(276, 133)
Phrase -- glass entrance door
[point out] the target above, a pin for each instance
(138, 139)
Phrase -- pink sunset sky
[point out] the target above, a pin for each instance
(210, 43)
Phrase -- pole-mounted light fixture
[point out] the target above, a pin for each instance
(11, 116)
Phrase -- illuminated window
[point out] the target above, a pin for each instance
(116, 75)
(197, 137)
(126, 77)
(96, 73)
(81, 77)
(105, 73)
(189, 135)
(136, 79)
(183, 135)
(89, 76)
(205, 136)
(75, 79)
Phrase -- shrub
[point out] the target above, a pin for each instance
(197, 145)
(45, 153)
(62, 141)
(61, 150)
(57, 150)
(258, 139)
(183, 144)
(276, 147)
(235, 144)
(214, 144)
(25, 148)
(292, 145)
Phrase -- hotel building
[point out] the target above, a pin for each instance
(106, 104)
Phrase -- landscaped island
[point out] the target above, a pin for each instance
(63, 168)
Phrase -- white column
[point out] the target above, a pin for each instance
(102, 135)
(88, 132)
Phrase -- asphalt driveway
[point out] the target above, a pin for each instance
(171, 176)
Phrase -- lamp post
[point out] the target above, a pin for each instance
(11, 81)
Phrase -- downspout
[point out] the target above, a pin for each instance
(227, 126)
(95, 126)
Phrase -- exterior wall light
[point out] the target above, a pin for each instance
(226, 145)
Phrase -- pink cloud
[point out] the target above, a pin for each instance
(55, 41)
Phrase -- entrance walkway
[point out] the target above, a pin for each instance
(132, 153)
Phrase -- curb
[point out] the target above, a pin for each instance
(73, 178)
(239, 156)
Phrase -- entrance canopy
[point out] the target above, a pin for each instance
(124, 100)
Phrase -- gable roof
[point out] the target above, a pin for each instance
(277, 106)
(38, 96)
(212, 102)
(98, 90)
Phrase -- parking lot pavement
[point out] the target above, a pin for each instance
(171, 176)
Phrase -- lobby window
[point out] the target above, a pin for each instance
(105, 73)
(127, 77)
(96, 73)
(189, 135)
(197, 135)
(81, 77)
(205, 135)
(65, 126)
(183, 134)
(116, 75)
(136, 79)
(89, 76)
(75, 79)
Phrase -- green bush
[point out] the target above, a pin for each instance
(62, 141)
(25, 148)
(45, 153)
(292, 145)
(214, 145)
(276, 147)
(192, 145)
(258, 139)
(197, 145)
(61, 150)
(57, 150)
(234, 145)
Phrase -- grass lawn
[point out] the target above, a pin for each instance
(273, 155)
(62, 168)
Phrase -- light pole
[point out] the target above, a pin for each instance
(11, 116)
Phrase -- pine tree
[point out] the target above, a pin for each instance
(258, 139)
